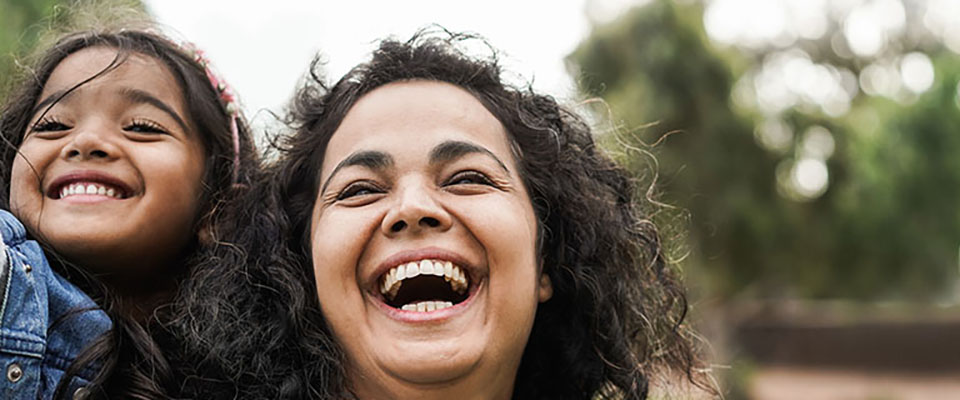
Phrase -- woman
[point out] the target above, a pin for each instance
(467, 238)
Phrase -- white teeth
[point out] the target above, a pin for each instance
(392, 280)
(89, 188)
(426, 306)
(426, 267)
(412, 270)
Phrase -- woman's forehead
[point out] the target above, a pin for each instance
(410, 115)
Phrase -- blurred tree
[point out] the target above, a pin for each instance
(20, 29)
(23, 24)
(797, 181)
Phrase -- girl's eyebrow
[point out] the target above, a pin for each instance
(133, 95)
(53, 97)
(138, 96)
(377, 160)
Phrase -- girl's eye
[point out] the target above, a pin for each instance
(49, 124)
(144, 126)
(469, 178)
(358, 189)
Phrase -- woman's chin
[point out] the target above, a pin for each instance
(430, 348)
(426, 365)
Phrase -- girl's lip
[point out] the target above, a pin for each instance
(53, 190)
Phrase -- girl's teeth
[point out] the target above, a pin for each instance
(80, 188)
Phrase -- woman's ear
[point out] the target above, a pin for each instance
(545, 291)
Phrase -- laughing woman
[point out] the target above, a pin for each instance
(467, 239)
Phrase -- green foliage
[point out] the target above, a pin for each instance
(20, 29)
(887, 226)
(24, 24)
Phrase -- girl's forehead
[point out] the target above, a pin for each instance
(95, 67)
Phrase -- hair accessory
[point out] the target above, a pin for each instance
(227, 98)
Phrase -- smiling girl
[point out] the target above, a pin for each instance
(120, 151)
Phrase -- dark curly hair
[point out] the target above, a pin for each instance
(132, 363)
(616, 316)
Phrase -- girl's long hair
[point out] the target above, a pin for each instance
(129, 360)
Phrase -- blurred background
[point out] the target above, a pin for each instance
(808, 152)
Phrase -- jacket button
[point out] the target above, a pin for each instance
(27, 268)
(81, 393)
(14, 372)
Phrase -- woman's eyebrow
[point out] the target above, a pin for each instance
(377, 160)
(140, 97)
(453, 149)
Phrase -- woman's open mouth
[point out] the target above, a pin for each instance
(425, 285)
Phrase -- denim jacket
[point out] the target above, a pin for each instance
(45, 321)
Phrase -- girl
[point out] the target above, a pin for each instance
(121, 148)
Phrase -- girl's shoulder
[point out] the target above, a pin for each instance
(45, 321)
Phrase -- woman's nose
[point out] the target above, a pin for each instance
(416, 210)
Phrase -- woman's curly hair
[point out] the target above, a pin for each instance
(616, 316)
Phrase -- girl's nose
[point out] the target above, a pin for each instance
(416, 211)
(89, 143)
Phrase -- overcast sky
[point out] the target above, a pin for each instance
(263, 48)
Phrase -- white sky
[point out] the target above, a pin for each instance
(263, 48)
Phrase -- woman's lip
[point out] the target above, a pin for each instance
(53, 189)
(427, 316)
(429, 253)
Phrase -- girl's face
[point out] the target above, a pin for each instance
(110, 176)
(423, 240)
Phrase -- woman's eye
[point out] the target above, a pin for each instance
(358, 189)
(48, 124)
(469, 178)
(144, 126)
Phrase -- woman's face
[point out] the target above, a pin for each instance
(423, 240)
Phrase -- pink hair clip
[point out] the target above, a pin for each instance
(227, 98)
